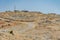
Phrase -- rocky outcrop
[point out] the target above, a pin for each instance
(29, 26)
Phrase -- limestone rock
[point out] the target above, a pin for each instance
(29, 26)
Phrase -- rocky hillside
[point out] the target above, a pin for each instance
(24, 25)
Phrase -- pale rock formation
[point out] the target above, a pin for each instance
(29, 26)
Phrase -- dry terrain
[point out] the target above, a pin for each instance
(24, 25)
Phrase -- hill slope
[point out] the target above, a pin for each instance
(29, 26)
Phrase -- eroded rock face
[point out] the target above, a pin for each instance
(29, 26)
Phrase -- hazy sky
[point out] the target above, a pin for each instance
(45, 6)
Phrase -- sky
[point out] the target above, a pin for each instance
(45, 6)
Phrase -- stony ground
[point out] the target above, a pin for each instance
(29, 26)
